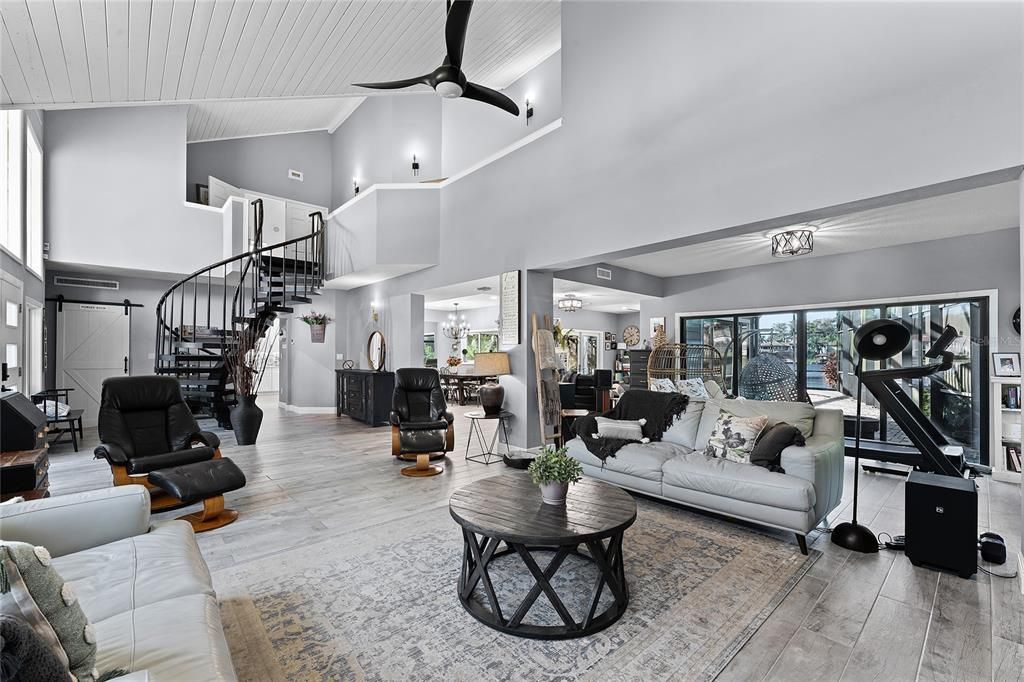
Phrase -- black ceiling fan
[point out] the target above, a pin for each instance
(448, 80)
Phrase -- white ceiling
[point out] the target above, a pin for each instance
(974, 211)
(469, 297)
(466, 294)
(600, 299)
(245, 118)
(100, 52)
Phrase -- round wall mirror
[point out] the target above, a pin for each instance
(376, 351)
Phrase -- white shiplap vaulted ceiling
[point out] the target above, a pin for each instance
(245, 118)
(75, 52)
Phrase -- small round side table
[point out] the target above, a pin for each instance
(488, 454)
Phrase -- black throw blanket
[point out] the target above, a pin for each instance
(659, 409)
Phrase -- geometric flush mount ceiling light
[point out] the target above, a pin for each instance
(793, 242)
(570, 304)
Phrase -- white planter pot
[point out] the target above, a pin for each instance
(554, 492)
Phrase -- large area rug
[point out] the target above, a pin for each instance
(381, 604)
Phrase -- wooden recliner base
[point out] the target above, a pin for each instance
(213, 515)
(423, 467)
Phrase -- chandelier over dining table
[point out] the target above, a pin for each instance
(455, 327)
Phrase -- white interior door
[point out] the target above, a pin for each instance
(220, 191)
(33, 349)
(275, 218)
(92, 344)
(11, 335)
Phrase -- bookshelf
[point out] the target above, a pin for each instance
(1007, 450)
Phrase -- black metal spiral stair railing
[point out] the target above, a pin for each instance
(200, 320)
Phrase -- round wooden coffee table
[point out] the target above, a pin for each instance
(508, 510)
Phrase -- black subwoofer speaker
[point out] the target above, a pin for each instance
(942, 522)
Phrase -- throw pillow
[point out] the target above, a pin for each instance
(713, 389)
(27, 656)
(767, 451)
(800, 415)
(663, 385)
(684, 427)
(30, 588)
(621, 429)
(733, 437)
(693, 388)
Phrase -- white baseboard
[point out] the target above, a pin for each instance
(298, 409)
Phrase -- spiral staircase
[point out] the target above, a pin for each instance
(203, 317)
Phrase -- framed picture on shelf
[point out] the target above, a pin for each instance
(657, 325)
(1006, 364)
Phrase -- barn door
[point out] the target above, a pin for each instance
(92, 344)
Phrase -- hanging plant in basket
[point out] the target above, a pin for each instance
(317, 325)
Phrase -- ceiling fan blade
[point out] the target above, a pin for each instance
(492, 97)
(455, 27)
(397, 85)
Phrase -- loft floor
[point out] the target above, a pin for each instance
(852, 617)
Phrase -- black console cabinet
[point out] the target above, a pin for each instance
(364, 395)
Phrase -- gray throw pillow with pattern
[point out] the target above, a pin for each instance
(31, 589)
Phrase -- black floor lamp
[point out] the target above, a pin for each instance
(875, 340)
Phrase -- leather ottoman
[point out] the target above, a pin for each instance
(206, 482)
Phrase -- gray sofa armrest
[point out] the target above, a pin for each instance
(820, 460)
(70, 523)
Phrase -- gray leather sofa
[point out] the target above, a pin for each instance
(676, 469)
(145, 588)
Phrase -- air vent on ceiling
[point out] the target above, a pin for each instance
(294, 175)
(604, 273)
(64, 280)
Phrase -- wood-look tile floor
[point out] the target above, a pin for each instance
(852, 617)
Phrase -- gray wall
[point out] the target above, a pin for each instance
(307, 368)
(471, 131)
(34, 286)
(115, 192)
(261, 164)
(970, 263)
(377, 141)
(143, 324)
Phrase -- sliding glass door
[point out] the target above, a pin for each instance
(809, 355)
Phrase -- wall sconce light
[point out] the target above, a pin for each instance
(355, 185)
(415, 165)
(529, 110)
(373, 312)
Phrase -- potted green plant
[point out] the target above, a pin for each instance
(317, 325)
(553, 470)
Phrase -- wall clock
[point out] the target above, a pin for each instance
(631, 335)
(1016, 320)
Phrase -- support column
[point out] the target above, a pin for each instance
(405, 340)
(537, 296)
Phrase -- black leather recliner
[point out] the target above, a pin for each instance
(421, 425)
(145, 426)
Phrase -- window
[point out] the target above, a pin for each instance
(34, 203)
(429, 351)
(479, 342)
(11, 126)
(808, 355)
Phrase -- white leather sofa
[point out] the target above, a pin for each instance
(145, 588)
(676, 469)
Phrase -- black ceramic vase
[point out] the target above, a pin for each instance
(492, 396)
(246, 418)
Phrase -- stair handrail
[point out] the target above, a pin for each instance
(167, 333)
